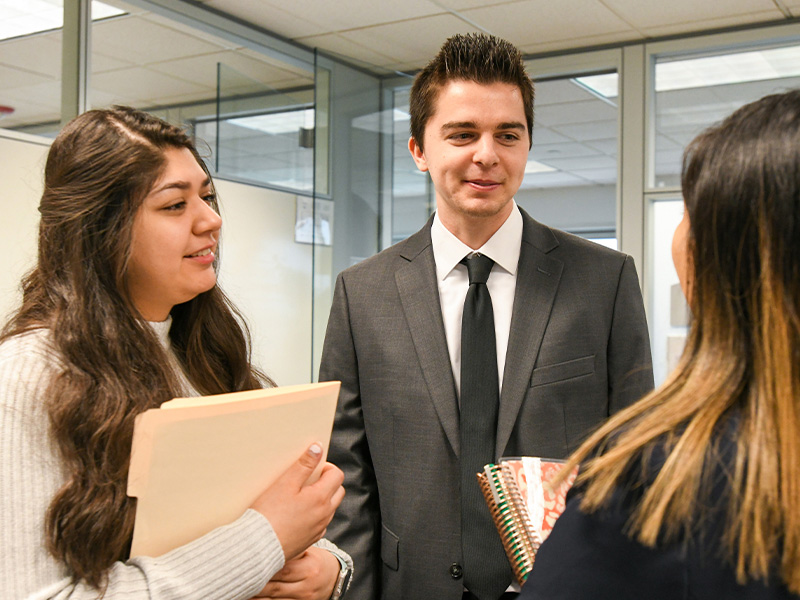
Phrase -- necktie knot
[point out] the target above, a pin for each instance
(479, 267)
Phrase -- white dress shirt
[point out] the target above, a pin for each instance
(453, 280)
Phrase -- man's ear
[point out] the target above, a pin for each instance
(417, 154)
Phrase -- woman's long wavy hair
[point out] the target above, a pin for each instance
(741, 186)
(98, 172)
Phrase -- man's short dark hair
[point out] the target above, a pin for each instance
(474, 57)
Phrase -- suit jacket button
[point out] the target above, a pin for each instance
(456, 571)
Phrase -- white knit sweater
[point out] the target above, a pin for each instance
(230, 563)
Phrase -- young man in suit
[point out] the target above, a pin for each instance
(570, 343)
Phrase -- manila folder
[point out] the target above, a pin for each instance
(199, 463)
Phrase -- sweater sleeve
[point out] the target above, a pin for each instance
(231, 562)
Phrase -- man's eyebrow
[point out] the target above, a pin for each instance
(512, 125)
(473, 125)
(459, 125)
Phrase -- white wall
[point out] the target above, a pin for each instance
(22, 160)
(268, 275)
(263, 270)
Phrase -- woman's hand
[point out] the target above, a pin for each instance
(310, 576)
(300, 511)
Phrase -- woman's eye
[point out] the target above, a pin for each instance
(175, 206)
(210, 198)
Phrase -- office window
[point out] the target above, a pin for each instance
(412, 191)
(30, 63)
(694, 92)
(571, 176)
(669, 313)
(249, 109)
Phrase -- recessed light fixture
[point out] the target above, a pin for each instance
(278, 122)
(534, 166)
(709, 71)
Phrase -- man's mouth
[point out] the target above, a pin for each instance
(482, 183)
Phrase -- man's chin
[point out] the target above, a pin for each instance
(485, 209)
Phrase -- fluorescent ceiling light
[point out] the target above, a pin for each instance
(759, 65)
(708, 71)
(33, 16)
(606, 85)
(279, 122)
(534, 166)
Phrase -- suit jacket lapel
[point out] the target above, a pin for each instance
(538, 276)
(419, 295)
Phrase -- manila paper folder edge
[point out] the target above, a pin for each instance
(194, 473)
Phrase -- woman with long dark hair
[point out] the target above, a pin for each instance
(121, 313)
(694, 492)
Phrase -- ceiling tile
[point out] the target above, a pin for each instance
(608, 146)
(658, 14)
(588, 131)
(26, 111)
(136, 38)
(538, 21)
(586, 41)
(599, 161)
(40, 54)
(568, 149)
(543, 135)
(271, 17)
(202, 70)
(16, 78)
(415, 41)
(459, 5)
(338, 44)
(275, 62)
(102, 63)
(140, 84)
(357, 13)
(712, 23)
(587, 111)
(176, 26)
(46, 93)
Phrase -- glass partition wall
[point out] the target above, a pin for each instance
(310, 151)
(691, 88)
(268, 116)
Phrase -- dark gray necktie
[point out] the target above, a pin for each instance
(487, 572)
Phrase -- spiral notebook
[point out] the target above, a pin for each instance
(523, 506)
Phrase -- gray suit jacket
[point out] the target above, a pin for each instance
(578, 351)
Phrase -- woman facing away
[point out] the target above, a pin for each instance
(121, 313)
(694, 492)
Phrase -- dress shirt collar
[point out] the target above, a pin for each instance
(503, 247)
